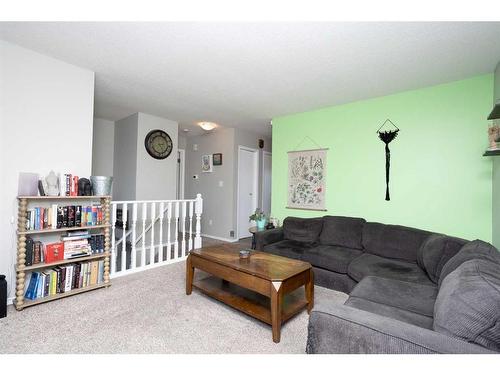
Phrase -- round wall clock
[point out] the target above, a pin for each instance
(158, 144)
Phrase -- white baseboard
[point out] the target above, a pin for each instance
(220, 238)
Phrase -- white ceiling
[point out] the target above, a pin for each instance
(244, 74)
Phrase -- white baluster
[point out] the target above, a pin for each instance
(190, 241)
(133, 254)
(198, 212)
(160, 250)
(143, 239)
(176, 243)
(124, 238)
(184, 215)
(169, 244)
(113, 239)
(152, 248)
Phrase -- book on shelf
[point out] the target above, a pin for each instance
(62, 279)
(57, 217)
(71, 245)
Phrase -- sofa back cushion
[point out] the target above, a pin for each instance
(436, 250)
(342, 231)
(476, 249)
(302, 230)
(393, 241)
(468, 304)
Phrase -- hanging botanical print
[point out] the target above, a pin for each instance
(387, 136)
(307, 179)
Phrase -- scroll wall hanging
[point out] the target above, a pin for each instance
(307, 178)
(387, 136)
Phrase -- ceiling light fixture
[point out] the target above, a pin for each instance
(207, 126)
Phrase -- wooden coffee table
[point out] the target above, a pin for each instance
(264, 286)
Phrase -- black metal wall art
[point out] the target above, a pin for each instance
(387, 136)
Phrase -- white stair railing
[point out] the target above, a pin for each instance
(155, 220)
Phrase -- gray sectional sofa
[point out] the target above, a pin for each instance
(410, 291)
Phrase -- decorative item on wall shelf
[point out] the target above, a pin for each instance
(217, 159)
(307, 179)
(387, 136)
(206, 163)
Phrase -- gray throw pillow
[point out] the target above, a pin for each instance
(342, 231)
(476, 249)
(302, 230)
(468, 304)
(435, 253)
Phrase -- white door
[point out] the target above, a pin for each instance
(248, 164)
(266, 182)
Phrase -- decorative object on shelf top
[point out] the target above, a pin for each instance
(493, 137)
(387, 136)
(101, 185)
(51, 184)
(62, 185)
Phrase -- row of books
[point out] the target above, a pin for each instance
(72, 245)
(63, 279)
(56, 216)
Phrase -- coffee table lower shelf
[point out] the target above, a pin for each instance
(249, 302)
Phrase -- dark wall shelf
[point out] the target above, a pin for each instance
(491, 153)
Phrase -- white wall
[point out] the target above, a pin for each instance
(103, 147)
(156, 179)
(137, 175)
(125, 158)
(46, 110)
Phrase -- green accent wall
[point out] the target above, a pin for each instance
(439, 179)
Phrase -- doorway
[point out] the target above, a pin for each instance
(266, 181)
(248, 177)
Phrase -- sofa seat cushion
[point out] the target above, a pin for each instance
(393, 241)
(436, 251)
(476, 249)
(373, 265)
(287, 248)
(390, 312)
(417, 298)
(342, 231)
(332, 258)
(468, 304)
(302, 230)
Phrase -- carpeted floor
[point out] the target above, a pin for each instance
(147, 312)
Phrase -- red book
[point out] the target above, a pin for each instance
(74, 186)
(55, 252)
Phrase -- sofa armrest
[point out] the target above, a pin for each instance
(267, 237)
(336, 328)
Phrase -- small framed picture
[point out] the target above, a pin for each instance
(217, 159)
(206, 163)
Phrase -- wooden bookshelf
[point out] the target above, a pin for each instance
(21, 269)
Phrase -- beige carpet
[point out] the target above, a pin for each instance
(147, 312)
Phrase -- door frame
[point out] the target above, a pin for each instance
(182, 172)
(255, 186)
(264, 153)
